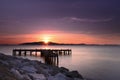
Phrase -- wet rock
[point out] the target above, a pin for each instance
(15, 63)
(29, 69)
(74, 74)
(50, 78)
(35, 76)
(17, 73)
(5, 73)
(78, 79)
(26, 77)
(4, 62)
(59, 76)
(63, 70)
(53, 73)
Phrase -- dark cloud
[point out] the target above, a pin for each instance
(58, 8)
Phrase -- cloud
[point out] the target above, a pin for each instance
(88, 20)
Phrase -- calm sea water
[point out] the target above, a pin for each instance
(93, 62)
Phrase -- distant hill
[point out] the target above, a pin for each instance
(54, 43)
(50, 43)
(38, 43)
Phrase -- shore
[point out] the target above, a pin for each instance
(14, 68)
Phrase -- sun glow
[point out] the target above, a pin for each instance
(46, 39)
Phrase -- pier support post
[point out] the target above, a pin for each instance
(25, 53)
(36, 53)
(19, 54)
(14, 53)
(30, 53)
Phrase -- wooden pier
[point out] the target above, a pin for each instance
(50, 55)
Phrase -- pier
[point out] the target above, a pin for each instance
(50, 55)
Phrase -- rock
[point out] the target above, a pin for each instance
(16, 73)
(6, 57)
(29, 69)
(63, 70)
(74, 74)
(4, 62)
(35, 76)
(25, 64)
(44, 66)
(59, 76)
(78, 79)
(6, 74)
(14, 68)
(50, 78)
(53, 73)
(26, 77)
(15, 63)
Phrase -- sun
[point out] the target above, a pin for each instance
(46, 39)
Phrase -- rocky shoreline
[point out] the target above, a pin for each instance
(13, 68)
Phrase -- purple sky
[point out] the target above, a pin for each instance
(94, 17)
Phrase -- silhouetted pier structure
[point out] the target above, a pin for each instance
(50, 55)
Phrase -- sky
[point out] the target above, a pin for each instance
(62, 21)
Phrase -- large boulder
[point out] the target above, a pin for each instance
(74, 74)
(64, 70)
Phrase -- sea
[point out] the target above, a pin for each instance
(92, 62)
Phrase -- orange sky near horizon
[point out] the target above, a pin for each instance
(59, 37)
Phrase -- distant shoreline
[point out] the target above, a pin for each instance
(53, 43)
(56, 45)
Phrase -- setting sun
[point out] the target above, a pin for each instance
(46, 39)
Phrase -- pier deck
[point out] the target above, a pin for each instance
(41, 51)
(50, 55)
